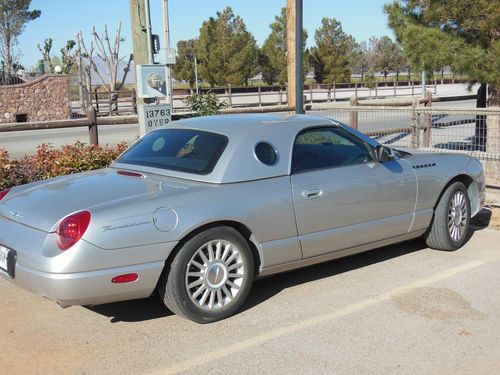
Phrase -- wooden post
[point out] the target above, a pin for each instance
(291, 52)
(260, 96)
(110, 102)
(139, 37)
(414, 124)
(134, 101)
(230, 98)
(353, 114)
(93, 134)
(427, 120)
(96, 100)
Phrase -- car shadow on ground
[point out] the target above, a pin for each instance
(262, 290)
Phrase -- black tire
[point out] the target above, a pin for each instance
(438, 235)
(172, 285)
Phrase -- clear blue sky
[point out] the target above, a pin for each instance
(62, 19)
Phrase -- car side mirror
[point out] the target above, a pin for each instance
(383, 153)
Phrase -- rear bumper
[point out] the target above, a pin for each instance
(88, 288)
(82, 274)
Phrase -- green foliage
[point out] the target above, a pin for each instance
(205, 104)
(67, 61)
(14, 14)
(370, 79)
(49, 162)
(359, 60)
(184, 66)
(330, 57)
(272, 57)
(227, 52)
(460, 33)
(68, 58)
(386, 55)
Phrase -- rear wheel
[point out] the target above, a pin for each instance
(450, 224)
(210, 277)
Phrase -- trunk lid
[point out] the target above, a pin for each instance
(43, 204)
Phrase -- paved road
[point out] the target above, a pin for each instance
(401, 309)
(20, 143)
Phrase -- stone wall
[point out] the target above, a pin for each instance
(44, 99)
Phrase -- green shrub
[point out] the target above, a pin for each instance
(205, 104)
(51, 162)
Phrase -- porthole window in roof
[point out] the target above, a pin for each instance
(266, 153)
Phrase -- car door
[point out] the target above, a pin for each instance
(342, 197)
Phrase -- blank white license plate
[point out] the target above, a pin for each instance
(4, 252)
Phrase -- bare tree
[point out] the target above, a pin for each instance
(85, 63)
(106, 52)
(109, 54)
(47, 47)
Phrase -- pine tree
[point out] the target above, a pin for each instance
(272, 59)
(461, 33)
(227, 52)
(14, 15)
(183, 69)
(330, 58)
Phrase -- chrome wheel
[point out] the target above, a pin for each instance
(214, 274)
(457, 216)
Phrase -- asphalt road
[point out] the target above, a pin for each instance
(402, 309)
(26, 142)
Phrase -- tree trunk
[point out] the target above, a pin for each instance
(481, 129)
(493, 123)
(8, 53)
(397, 75)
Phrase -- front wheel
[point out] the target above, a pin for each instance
(210, 277)
(450, 225)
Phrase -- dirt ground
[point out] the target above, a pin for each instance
(399, 309)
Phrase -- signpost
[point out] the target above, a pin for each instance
(154, 116)
(154, 86)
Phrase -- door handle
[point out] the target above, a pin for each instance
(312, 193)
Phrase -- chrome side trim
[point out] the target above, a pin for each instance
(278, 252)
(337, 254)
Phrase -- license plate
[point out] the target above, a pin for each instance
(4, 255)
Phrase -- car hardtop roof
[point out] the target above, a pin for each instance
(236, 124)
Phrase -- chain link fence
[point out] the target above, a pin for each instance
(475, 132)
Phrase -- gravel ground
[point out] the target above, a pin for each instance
(401, 309)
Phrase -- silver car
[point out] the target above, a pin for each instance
(200, 209)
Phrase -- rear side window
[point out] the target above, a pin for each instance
(184, 150)
(326, 148)
(266, 153)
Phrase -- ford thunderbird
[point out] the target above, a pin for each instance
(197, 211)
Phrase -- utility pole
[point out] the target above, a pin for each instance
(148, 32)
(423, 82)
(295, 55)
(139, 37)
(290, 42)
(196, 73)
(167, 51)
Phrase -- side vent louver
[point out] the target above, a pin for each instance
(428, 165)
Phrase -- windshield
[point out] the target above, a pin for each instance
(184, 150)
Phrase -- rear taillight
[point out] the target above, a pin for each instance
(72, 228)
(3, 193)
